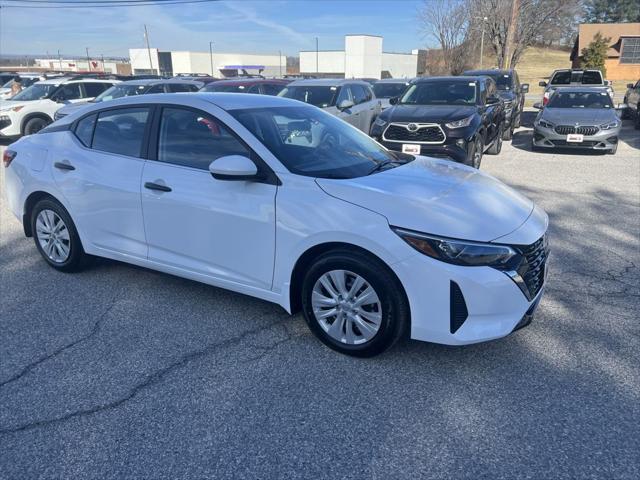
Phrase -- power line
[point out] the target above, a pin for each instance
(99, 4)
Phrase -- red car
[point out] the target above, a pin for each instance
(264, 86)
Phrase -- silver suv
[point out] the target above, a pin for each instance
(350, 100)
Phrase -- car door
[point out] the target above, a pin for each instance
(221, 229)
(98, 172)
(492, 112)
(634, 96)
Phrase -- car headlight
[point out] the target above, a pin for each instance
(545, 124)
(380, 122)
(465, 122)
(459, 252)
(609, 126)
(12, 109)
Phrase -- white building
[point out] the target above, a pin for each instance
(80, 65)
(362, 57)
(145, 61)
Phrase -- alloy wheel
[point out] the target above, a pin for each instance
(53, 236)
(477, 154)
(346, 307)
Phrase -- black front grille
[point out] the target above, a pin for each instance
(533, 268)
(432, 134)
(583, 130)
(564, 143)
(4, 122)
(458, 312)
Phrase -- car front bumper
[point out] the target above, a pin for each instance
(549, 138)
(9, 125)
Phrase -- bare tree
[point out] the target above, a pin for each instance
(447, 21)
(533, 21)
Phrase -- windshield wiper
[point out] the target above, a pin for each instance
(380, 166)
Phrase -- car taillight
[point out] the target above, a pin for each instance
(545, 98)
(8, 157)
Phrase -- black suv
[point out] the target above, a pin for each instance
(511, 91)
(455, 117)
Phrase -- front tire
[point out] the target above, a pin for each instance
(353, 303)
(474, 156)
(56, 237)
(34, 125)
(496, 146)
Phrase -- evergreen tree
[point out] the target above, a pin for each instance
(612, 11)
(594, 55)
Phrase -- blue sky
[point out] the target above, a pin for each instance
(233, 25)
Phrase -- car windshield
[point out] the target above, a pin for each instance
(503, 80)
(25, 82)
(37, 91)
(389, 90)
(562, 99)
(441, 93)
(229, 87)
(119, 91)
(313, 143)
(319, 96)
(566, 77)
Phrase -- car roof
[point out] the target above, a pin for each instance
(583, 89)
(460, 78)
(59, 80)
(487, 71)
(250, 81)
(226, 101)
(326, 82)
(394, 80)
(162, 81)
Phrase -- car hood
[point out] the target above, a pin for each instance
(72, 108)
(428, 113)
(581, 116)
(437, 197)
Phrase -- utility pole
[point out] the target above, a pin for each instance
(88, 59)
(59, 60)
(102, 58)
(280, 61)
(511, 29)
(211, 56)
(317, 57)
(146, 39)
(484, 23)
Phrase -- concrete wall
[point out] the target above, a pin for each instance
(328, 62)
(400, 65)
(363, 56)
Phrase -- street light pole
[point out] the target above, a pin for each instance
(317, 57)
(280, 61)
(146, 39)
(88, 59)
(211, 56)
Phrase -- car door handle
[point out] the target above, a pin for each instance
(64, 166)
(157, 186)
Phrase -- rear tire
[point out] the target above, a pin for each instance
(508, 133)
(353, 303)
(56, 237)
(34, 125)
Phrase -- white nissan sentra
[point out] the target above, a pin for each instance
(279, 200)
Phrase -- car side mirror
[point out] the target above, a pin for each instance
(629, 85)
(233, 167)
(346, 103)
(524, 88)
(542, 84)
(538, 106)
(393, 100)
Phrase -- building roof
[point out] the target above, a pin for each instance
(614, 31)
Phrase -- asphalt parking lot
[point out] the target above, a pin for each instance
(122, 372)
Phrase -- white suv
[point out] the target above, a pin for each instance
(33, 108)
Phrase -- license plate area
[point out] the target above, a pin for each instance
(575, 138)
(411, 148)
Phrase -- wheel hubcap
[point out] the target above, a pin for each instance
(346, 307)
(53, 236)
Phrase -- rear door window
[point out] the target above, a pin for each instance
(181, 88)
(121, 131)
(70, 91)
(93, 89)
(272, 88)
(156, 89)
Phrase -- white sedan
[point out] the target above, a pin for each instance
(277, 199)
